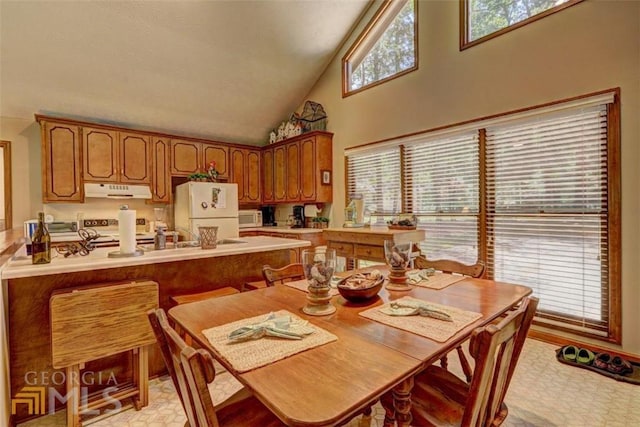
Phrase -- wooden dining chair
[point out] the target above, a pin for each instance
(440, 398)
(287, 273)
(450, 266)
(453, 267)
(192, 372)
(273, 275)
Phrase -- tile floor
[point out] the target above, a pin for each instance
(543, 393)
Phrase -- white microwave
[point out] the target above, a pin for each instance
(249, 218)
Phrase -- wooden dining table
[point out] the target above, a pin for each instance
(329, 384)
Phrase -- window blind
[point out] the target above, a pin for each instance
(376, 176)
(442, 188)
(547, 213)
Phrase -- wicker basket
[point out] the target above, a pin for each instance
(401, 227)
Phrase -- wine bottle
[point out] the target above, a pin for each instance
(41, 243)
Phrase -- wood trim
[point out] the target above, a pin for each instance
(346, 182)
(361, 39)
(482, 203)
(464, 15)
(8, 205)
(615, 219)
(551, 338)
(114, 127)
(406, 205)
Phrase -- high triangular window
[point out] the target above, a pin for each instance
(386, 48)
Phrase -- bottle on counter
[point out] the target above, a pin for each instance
(160, 239)
(41, 243)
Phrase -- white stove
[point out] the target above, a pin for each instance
(108, 231)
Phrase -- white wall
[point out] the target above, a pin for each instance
(592, 46)
(1, 183)
(26, 174)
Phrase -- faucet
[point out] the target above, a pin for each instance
(194, 236)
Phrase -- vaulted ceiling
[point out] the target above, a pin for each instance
(226, 70)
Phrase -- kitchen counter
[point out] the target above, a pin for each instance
(283, 230)
(20, 265)
(27, 289)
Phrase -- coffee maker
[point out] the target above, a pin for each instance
(269, 216)
(298, 216)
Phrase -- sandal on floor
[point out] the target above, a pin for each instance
(569, 353)
(619, 366)
(602, 361)
(585, 356)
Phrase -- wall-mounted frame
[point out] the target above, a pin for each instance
(326, 177)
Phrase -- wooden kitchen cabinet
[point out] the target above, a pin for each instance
(316, 159)
(298, 165)
(268, 195)
(188, 157)
(100, 154)
(112, 156)
(280, 173)
(245, 171)
(160, 166)
(62, 179)
(135, 167)
(293, 171)
(185, 157)
(218, 154)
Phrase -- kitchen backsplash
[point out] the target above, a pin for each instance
(284, 210)
(103, 208)
(108, 208)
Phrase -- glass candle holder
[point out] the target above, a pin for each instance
(397, 256)
(318, 266)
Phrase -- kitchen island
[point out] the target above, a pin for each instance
(367, 243)
(27, 288)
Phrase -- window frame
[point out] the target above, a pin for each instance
(465, 43)
(368, 38)
(614, 283)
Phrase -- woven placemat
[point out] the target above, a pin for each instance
(248, 355)
(438, 281)
(437, 330)
(302, 285)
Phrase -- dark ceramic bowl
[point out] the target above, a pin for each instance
(360, 294)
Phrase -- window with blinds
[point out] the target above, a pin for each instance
(376, 176)
(533, 194)
(442, 188)
(548, 213)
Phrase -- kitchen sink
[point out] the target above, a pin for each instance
(191, 244)
(230, 241)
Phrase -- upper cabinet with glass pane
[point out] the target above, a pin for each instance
(387, 48)
(481, 20)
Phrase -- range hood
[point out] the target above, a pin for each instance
(117, 191)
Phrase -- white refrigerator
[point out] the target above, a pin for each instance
(206, 204)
